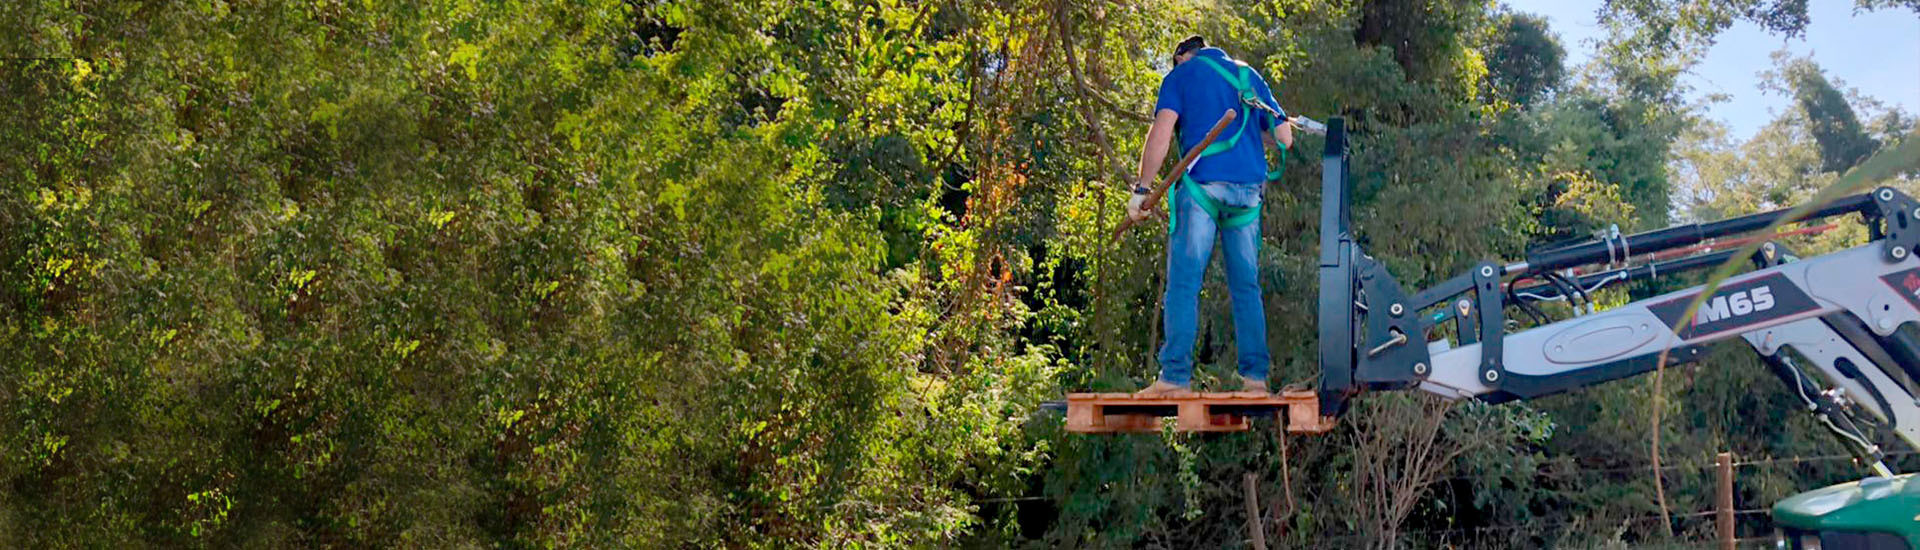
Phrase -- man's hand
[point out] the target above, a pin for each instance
(1137, 207)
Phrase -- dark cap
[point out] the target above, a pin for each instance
(1189, 45)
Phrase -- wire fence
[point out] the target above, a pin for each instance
(1469, 533)
(1473, 532)
(1708, 465)
(1542, 526)
(1561, 524)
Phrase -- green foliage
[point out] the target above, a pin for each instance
(462, 274)
(1843, 143)
(1670, 22)
(766, 274)
(1524, 59)
(1786, 162)
(1424, 37)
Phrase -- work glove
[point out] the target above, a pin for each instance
(1136, 206)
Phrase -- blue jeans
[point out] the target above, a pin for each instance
(1189, 248)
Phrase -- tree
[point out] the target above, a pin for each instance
(1523, 58)
(1843, 141)
(659, 273)
(1423, 36)
(1681, 21)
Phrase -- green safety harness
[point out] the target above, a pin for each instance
(1228, 217)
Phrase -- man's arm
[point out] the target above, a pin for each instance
(1154, 153)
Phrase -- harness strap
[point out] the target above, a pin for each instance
(1242, 82)
(1242, 85)
(1228, 217)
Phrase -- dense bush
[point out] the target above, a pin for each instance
(756, 274)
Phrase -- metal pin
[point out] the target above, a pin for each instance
(1398, 338)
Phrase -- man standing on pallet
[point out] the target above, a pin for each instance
(1219, 195)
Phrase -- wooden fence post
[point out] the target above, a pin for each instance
(1723, 501)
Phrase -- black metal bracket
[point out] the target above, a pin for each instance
(1901, 216)
(1771, 254)
(1459, 310)
(1492, 322)
(1463, 322)
(1394, 354)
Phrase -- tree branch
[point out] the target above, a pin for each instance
(1073, 70)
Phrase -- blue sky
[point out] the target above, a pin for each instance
(1876, 52)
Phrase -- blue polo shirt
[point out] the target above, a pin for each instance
(1199, 95)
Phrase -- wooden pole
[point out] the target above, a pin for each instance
(1253, 512)
(1179, 169)
(1723, 501)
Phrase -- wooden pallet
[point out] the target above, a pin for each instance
(1195, 412)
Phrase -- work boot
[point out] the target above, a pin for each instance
(1162, 388)
(1251, 385)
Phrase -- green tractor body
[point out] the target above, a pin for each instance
(1874, 513)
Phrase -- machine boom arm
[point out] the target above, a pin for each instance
(1841, 313)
